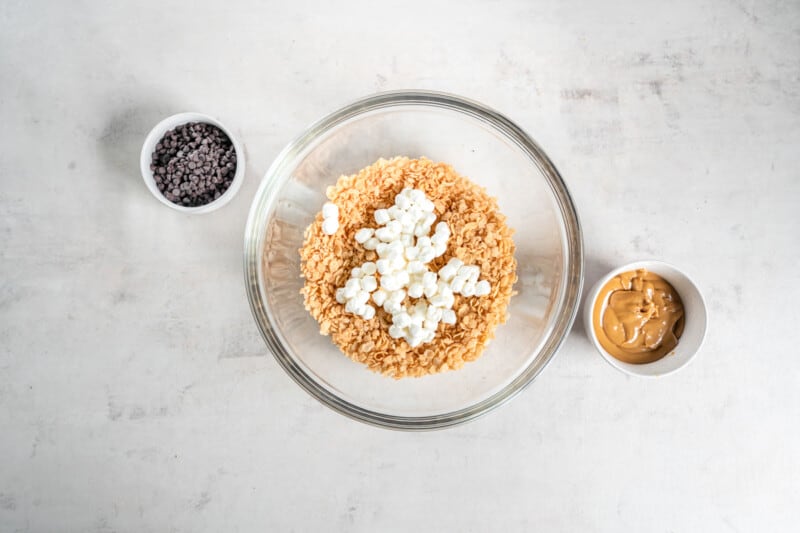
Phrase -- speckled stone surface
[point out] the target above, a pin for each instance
(136, 394)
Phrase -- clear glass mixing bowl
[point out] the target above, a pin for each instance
(479, 143)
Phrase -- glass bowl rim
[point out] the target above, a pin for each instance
(569, 297)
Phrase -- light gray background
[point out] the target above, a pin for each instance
(136, 394)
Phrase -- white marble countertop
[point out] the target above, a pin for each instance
(136, 394)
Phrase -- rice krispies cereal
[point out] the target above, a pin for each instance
(480, 237)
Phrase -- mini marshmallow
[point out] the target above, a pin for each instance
(361, 297)
(482, 288)
(340, 297)
(390, 282)
(468, 290)
(414, 267)
(426, 205)
(349, 292)
(382, 216)
(330, 210)
(330, 226)
(457, 284)
(403, 278)
(401, 320)
(426, 255)
(431, 291)
(469, 271)
(385, 234)
(369, 268)
(439, 238)
(407, 222)
(448, 317)
(437, 300)
(351, 306)
(415, 212)
(371, 243)
(392, 307)
(369, 312)
(415, 195)
(447, 272)
(392, 253)
(420, 230)
(429, 279)
(383, 266)
(434, 313)
(411, 252)
(379, 296)
(398, 296)
(448, 296)
(416, 290)
(396, 248)
(364, 234)
(356, 273)
(456, 263)
(394, 226)
(369, 283)
(398, 263)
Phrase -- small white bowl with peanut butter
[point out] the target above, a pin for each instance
(646, 318)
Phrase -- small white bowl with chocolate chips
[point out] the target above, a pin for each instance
(192, 163)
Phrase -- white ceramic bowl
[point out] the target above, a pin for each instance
(694, 331)
(158, 132)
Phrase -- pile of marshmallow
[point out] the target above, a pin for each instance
(405, 247)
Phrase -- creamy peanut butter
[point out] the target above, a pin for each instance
(638, 317)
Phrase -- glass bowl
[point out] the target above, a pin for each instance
(479, 143)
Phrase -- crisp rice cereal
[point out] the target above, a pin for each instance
(480, 237)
